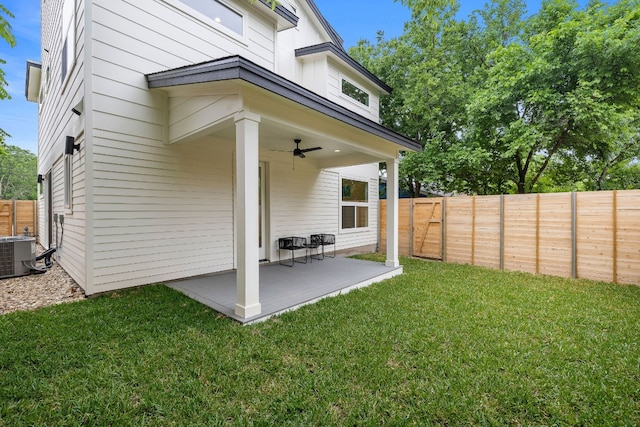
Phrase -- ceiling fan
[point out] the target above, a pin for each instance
(299, 152)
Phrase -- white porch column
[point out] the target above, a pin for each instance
(392, 213)
(247, 282)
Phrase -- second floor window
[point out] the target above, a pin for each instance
(354, 92)
(68, 37)
(220, 13)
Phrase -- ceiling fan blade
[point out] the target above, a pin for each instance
(306, 150)
(301, 155)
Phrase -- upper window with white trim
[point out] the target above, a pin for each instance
(354, 92)
(219, 13)
(68, 37)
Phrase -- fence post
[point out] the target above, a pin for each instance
(444, 229)
(411, 227)
(502, 232)
(378, 245)
(35, 219)
(615, 236)
(15, 218)
(538, 233)
(473, 230)
(574, 255)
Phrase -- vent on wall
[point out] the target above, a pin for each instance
(13, 251)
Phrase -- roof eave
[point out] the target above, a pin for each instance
(285, 18)
(237, 67)
(329, 47)
(32, 83)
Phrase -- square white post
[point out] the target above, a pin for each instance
(392, 213)
(247, 281)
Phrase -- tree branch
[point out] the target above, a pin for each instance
(554, 150)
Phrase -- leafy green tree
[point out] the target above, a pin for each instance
(502, 103)
(6, 35)
(571, 87)
(272, 3)
(434, 70)
(18, 170)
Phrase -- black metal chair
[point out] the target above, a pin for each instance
(292, 244)
(323, 240)
(314, 243)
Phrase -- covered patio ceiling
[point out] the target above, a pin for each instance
(277, 138)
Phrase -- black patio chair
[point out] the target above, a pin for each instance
(292, 244)
(315, 242)
(323, 240)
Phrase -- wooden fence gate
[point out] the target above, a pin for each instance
(419, 227)
(426, 219)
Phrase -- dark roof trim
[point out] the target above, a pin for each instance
(283, 12)
(330, 47)
(333, 35)
(239, 68)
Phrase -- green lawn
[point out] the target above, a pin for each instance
(440, 345)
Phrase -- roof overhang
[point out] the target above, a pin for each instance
(340, 55)
(32, 85)
(239, 68)
(284, 17)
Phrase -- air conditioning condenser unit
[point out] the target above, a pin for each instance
(17, 255)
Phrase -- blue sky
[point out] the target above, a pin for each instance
(353, 20)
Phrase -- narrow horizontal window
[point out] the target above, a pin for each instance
(220, 13)
(354, 92)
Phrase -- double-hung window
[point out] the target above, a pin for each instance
(355, 204)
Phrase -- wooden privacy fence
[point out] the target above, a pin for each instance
(591, 235)
(15, 215)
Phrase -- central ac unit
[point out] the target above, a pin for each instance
(17, 255)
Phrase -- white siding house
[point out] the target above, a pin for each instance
(183, 114)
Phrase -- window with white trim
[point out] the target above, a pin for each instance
(68, 37)
(354, 92)
(219, 13)
(354, 204)
(68, 179)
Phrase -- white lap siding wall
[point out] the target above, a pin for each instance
(306, 201)
(145, 211)
(160, 211)
(56, 122)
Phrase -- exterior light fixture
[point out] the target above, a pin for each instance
(70, 145)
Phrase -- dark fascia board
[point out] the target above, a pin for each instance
(330, 47)
(239, 68)
(284, 13)
(28, 82)
(333, 35)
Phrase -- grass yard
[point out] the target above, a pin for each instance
(440, 345)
